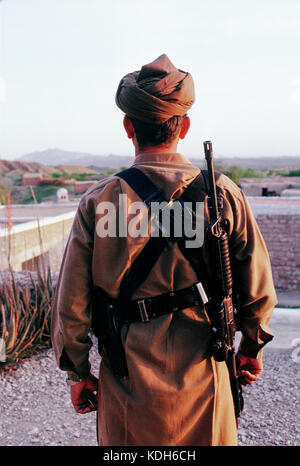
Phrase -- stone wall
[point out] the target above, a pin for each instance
(34, 241)
(282, 236)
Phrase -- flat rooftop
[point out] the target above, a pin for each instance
(275, 205)
(23, 213)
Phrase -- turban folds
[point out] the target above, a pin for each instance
(156, 93)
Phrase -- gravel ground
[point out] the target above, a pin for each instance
(36, 410)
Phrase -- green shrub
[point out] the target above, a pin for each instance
(293, 173)
(236, 173)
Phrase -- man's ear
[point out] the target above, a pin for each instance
(185, 127)
(128, 127)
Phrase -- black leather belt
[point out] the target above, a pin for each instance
(144, 310)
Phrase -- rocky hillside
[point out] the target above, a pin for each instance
(16, 169)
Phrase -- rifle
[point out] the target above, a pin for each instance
(220, 307)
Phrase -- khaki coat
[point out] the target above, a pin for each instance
(176, 394)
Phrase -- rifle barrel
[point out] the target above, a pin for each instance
(210, 165)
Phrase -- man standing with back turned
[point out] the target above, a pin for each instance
(174, 392)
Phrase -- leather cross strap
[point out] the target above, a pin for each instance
(145, 261)
(142, 185)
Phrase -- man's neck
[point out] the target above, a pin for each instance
(162, 149)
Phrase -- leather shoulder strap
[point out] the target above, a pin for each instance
(145, 261)
(141, 184)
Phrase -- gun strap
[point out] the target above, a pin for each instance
(145, 261)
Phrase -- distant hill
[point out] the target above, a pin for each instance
(60, 157)
(15, 169)
(261, 163)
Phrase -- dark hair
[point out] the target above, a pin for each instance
(153, 135)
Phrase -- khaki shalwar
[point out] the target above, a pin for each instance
(176, 394)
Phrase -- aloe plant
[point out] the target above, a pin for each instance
(24, 315)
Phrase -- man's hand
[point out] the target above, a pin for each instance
(249, 369)
(84, 395)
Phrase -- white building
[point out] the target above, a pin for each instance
(62, 195)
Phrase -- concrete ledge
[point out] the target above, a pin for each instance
(288, 299)
(33, 225)
(274, 205)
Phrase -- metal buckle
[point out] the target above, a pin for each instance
(201, 292)
(143, 311)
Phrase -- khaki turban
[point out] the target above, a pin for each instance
(156, 93)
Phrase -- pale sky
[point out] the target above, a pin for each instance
(61, 62)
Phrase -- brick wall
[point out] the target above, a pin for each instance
(282, 236)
